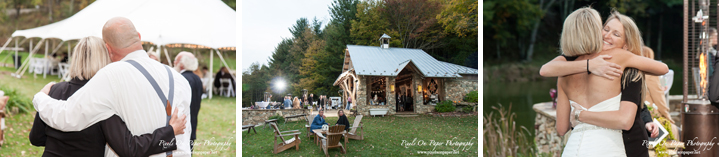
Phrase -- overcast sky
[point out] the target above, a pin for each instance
(266, 23)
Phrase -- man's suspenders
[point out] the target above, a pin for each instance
(165, 101)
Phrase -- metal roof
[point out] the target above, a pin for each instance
(384, 36)
(376, 61)
(462, 69)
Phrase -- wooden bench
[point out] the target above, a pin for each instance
(294, 116)
(270, 121)
(249, 127)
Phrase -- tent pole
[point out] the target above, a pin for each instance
(30, 55)
(225, 63)
(22, 70)
(56, 48)
(69, 53)
(5, 45)
(169, 62)
(13, 61)
(159, 53)
(23, 42)
(211, 79)
(47, 61)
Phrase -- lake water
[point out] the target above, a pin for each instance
(521, 96)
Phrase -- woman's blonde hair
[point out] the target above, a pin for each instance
(581, 33)
(648, 52)
(634, 43)
(89, 56)
(632, 35)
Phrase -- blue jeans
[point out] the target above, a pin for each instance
(349, 105)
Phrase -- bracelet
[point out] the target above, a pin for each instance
(588, 72)
(576, 115)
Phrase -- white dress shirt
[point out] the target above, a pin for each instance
(119, 88)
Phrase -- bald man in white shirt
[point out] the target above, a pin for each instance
(120, 88)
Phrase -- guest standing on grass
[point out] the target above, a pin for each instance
(343, 119)
(349, 103)
(185, 63)
(321, 102)
(319, 121)
(91, 57)
(311, 101)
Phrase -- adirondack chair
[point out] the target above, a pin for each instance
(354, 134)
(310, 119)
(285, 144)
(334, 134)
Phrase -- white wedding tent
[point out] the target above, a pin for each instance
(203, 23)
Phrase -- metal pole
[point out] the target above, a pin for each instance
(685, 84)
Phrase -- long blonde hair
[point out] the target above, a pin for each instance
(634, 43)
(581, 33)
(89, 56)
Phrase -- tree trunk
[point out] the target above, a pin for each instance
(566, 9)
(17, 12)
(498, 54)
(533, 38)
(49, 9)
(648, 40)
(72, 3)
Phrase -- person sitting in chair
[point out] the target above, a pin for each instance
(319, 121)
(343, 120)
(224, 73)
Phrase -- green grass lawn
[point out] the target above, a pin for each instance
(384, 136)
(216, 122)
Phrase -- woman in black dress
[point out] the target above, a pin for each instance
(343, 120)
(90, 56)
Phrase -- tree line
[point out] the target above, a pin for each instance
(313, 57)
(522, 30)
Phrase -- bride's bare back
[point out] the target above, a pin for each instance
(589, 90)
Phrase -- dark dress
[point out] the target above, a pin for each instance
(343, 121)
(91, 141)
(196, 87)
(634, 138)
(220, 75)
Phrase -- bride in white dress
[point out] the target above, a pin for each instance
(582, 38)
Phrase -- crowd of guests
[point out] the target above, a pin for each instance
(305, 101)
